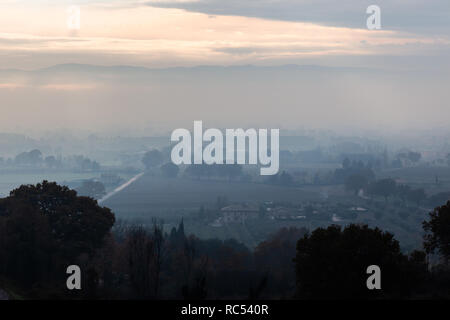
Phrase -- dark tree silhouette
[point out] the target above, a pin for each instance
(332, 263)
(46, 227)
(274, 259)
(140, 255)
(437, 237)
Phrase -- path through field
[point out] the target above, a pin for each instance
(121, 187)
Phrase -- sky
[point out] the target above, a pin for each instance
(163, 33)
(414, 41)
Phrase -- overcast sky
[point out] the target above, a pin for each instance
(414, 41)
(34, 33)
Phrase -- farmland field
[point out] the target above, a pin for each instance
(156, 196)
(12, 180)
(421, 177)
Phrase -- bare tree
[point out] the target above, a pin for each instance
(140, 252)
(158, 253)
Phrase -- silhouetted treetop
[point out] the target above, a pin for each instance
(77, 223)
(437, 237)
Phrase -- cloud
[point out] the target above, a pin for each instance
(68, 86)
(10, 85)
(282, 49)
(49, 86)
(244, 32)
(425, 16)
(36, 41)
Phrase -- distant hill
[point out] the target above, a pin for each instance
(76, 68)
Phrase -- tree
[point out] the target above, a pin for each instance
(356, 182)
(34, 157)
(46, 227)
(95, 166)
(437, 237)
(85, 164)
(158, 253)
(410, 156)
(384, 188)
(152, 158)
(274, 259)
(145, 253)
(332, 263)
(353, 168)
(414, 156)
(139, 256)
(285, 179)
(170, 170)
(52, 162)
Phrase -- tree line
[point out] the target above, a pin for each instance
(46, 227)
(35, 159)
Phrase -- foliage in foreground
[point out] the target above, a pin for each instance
(46, 227)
